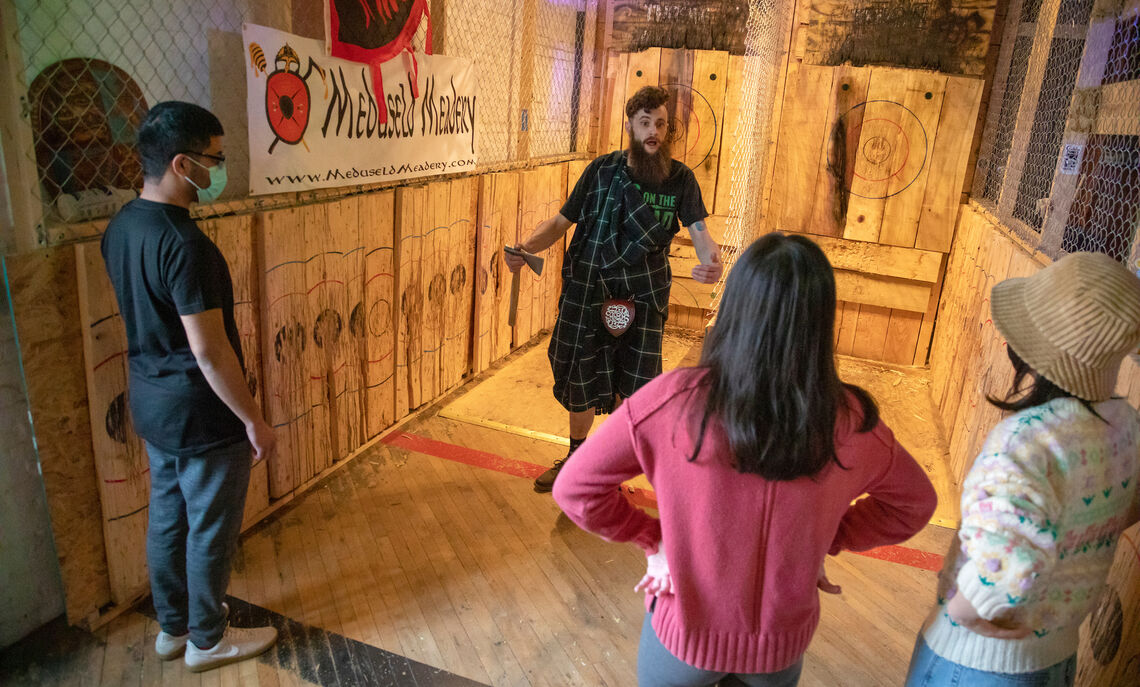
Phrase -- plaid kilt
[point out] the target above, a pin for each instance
(619, 249)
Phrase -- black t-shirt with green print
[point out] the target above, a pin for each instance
(677, 201)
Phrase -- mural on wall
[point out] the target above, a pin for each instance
(85, 115)
(950, 36)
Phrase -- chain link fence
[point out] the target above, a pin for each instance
(90, 69)
(766, 34)
(1060, 157)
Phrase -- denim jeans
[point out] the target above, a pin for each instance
(928, 669)
(656, 667)
(196, 507)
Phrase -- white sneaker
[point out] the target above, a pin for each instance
(169, 647)
(237, 644)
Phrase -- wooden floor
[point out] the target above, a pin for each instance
(463, 568)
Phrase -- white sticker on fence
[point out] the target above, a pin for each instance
(1071, 158)
(314, 121)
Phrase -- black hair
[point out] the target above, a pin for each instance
(174, 127)
(1039, 391)
(772, 382)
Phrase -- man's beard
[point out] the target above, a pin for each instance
(651, 168)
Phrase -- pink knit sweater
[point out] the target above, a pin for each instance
(744, 552)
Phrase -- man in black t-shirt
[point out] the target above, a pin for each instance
(628, 205)
(188, 396)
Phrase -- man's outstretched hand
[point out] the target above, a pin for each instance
(710, 273)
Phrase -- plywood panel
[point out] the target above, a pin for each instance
(377, 236)
(846, 317)
(902, 337)
(320, 325)
(835, 174)
(121, 463)
(803, 127)
(922, 95)
(890, 157)
(434, 265)
(460, 243)
(411, 207)
(644, 70)
(285, 337)
(617, 68)
(871, 332)
(45, 308)
(705, 122)
(498, 226)
(540, 197)
(676, 76)
(948, 160)
(339, 329)
(234, 237)
(726, 163)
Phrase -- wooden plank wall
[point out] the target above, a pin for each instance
(968, 361)
(351, 314)
(875, 156)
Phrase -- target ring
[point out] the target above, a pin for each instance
(882, 149)
(678, 124)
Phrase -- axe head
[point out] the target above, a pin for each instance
(532, 261)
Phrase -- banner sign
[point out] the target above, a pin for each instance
(314, 120)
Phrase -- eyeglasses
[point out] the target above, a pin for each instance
(220, 159)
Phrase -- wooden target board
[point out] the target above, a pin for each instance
(286, 313)
(234, 238)
(497, 227)
(377, 237)
(542, 193)
(121, 465)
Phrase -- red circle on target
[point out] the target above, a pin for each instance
(857, 133)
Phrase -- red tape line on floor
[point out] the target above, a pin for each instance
(644, 498)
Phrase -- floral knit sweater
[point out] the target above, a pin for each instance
(1042, 508)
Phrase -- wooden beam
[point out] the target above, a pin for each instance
(878, 259)
(883, 292)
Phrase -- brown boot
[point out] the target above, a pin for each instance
(545, 482)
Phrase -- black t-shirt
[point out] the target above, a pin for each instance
(676, 201)
(162, 266)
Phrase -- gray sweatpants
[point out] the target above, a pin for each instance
(656, 667)
(196, 506)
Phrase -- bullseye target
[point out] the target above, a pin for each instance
(881, 146)
(696, 108)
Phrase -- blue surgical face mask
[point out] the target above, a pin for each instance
(217, 182)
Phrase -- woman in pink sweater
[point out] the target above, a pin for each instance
(756, 456)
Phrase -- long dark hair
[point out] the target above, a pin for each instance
(772, 383)
(1040, 389)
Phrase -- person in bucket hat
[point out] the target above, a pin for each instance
(1052, 489)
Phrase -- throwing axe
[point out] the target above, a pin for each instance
(534, 263)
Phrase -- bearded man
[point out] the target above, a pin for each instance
(628, 205)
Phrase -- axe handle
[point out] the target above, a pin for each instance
(514, 308)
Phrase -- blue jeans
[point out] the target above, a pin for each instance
(196, 507)
(656, 667)
(928, 669)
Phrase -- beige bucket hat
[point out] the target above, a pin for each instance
(1073, 322)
